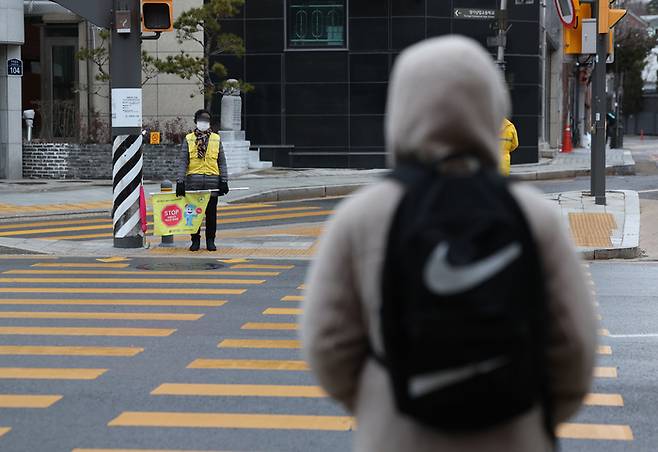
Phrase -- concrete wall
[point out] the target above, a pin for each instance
(11, 37)
(90, 161)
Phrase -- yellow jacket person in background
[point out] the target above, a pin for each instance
(509, 141)
(203, 167)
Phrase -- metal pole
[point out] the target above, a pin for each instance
(598, 117)
(502, 23)
(126, 84)
(166, 241)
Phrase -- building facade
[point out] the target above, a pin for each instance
(71, 103)
(320, 70)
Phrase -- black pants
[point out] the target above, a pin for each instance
(211, 220)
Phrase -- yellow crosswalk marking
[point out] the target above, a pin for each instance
(605, 372)
(604, 350)
(28, 401)
(270, 326)
(139, 272)
(78, 265)
(62, 350)
(110, 302)
(604, 400)
(109, 260)
(282, 311)
(4, 430)
(141, 450)
(232, 420)
(121, 290)
(190, 281)
(39, 224)
(55, 229)
(293, 298)
(239, 390)
(261, 267)
(85, 331)
(99, 315)
(271, 210)
(47, 373)
(259, 343)
(608, 432)
(248, 364)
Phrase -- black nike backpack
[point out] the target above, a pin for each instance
(463, 312)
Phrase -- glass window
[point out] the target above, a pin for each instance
(317, 24)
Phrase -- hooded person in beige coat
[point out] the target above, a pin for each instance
(446, 96)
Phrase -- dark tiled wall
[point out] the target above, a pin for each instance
(330, 104)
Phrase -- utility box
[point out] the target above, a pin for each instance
(589, 37)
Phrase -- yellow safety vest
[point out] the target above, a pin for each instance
(208, 164)
(509, 141)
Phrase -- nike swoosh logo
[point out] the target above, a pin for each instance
(424, 384)
(442, 278)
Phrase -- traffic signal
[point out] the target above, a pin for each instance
(608, 17)
(573, 36)
(157, 15)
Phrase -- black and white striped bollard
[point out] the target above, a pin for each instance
(126, 179)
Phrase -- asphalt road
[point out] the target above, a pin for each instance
(110, 346)
(57, 338)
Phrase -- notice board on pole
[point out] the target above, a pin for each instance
(127, 107)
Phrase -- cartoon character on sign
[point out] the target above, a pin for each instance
(191, 211)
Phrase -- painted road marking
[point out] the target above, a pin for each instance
(302, 287)
(248, 364)
(604, 400)
(38, 224)
(270, 326)
(4, 430)
(85, 331)
(99, 315)
(142, 450)
(630, 336)
(282, 311)
(122, 290)
(605, 372)
(138, 272)
(293, 298)
(239, 390)
(28, 401)
(259, 343)
(47, 373)
(62, 350)
(603, 332)
(243, 219)
(190, 281)
(608, 432)
(109, 302)
(78, 265)
(108, 260)
(232, 420)
(261, 267)
(604, 350)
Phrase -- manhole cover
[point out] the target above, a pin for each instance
(180, 266)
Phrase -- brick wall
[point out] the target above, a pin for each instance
(93, 161)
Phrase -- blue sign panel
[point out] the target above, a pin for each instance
(15, 67)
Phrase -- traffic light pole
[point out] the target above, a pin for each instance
(599, 117)
(126, 92)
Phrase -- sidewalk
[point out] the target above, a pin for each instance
(599, 231)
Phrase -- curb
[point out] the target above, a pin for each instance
(619, 170)
(297, 193)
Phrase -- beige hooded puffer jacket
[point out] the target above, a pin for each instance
(446, 96)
